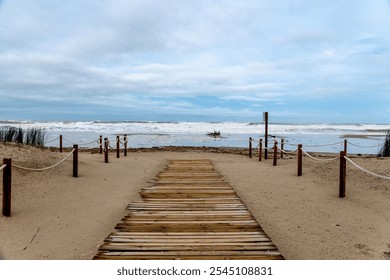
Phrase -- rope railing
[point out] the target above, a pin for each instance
(365, 147)
(365, 170)
(89, 143)
(287, 152)
(7, 174)
(103, 146)
(46, 142)
(335, 144)
(7, 166)
(3, 166)
(80, 143)
(316, 146)
(63, 138)
(318, 159)
(94, 147)
(110, 147)
(44, 168)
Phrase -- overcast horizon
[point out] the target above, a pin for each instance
(302, 61)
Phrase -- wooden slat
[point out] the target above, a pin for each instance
(189, 212)
(191, 255)
(180, 247)
(187, 241)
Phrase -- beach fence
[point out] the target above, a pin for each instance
(300, 152)
(7, 166)
(104, 148)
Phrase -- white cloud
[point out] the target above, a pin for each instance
(233, 52)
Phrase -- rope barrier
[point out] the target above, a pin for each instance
(314, 158)
(108, 144)
(63, 138)
(89, 142)
(79, 143)
(123, 143)
(4, 166)
(365, 170)
(325, 145)
(95, 147)
(46, 142)
(375, 146)
(287, 152)
(290, 144)
(45, 168)
(334, 144)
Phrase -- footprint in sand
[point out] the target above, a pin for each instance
(387, 254)
(364, 249)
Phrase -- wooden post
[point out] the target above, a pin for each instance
(101, 144)
(61, 143)
(117, 146)
(299, 160)
(125, 145)
(275, 153)
(266, 135)
(260, 149)
(76, 161)
(343, 174)
(7, 175)
(345, 146)
(106, 150)
(250, 147)
(281, 148)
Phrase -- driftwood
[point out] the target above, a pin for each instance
(214, 134)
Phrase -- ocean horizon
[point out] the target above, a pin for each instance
(315, 137)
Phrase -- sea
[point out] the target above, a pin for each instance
(315, 137)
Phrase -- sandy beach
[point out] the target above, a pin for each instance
(56, 216)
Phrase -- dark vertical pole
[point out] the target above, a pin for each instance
(281, 148)
(118, 143)
(250, 147)
(125, 145)
(275, 162)
(260, 149)
(101, 144)
(106, 150)
(76, 161)
(266, 135)
(7, 174)
(300, 160)
(343, 174)
(60, 143)
(345, 146)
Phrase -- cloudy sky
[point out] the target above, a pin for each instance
(174, 60)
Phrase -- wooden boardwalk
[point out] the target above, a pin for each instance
(190, 212)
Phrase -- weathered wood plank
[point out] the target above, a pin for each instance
(181, 247)
(187, 241)
(188, 234)
(220, 255)
(185, 228)
(189, 212)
